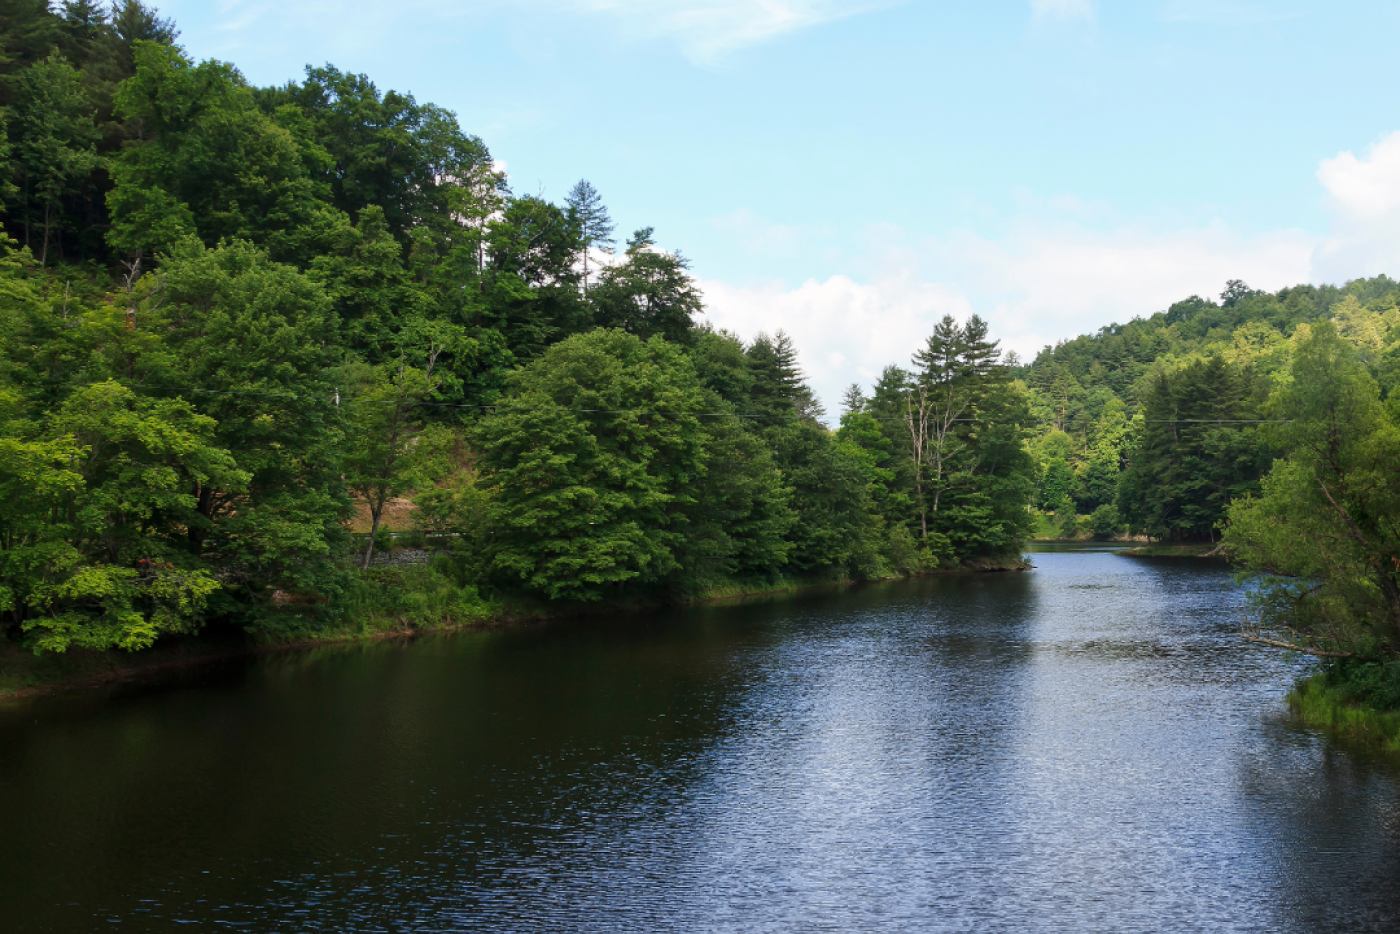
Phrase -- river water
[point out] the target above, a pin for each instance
(1085, 746)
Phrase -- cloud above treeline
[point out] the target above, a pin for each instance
(1044, 10)
(1229, 12)
(1047, 280)
(704, 30)
(708, 29)
(1363, 196)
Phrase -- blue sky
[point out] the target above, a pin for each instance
(850, 170)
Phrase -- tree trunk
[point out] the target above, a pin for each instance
(48, 224)
(376, 509)
(204, 505)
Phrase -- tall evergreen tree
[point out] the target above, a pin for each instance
(83, 29)
(29, 31)
(779, 389)
(590, 218)
(1191, 456)
(57, 148)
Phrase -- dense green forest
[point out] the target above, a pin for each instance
(1268, 421)
(1153, 425)
(240, 324)
(245, 332)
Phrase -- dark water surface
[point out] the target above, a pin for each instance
(1082, 747)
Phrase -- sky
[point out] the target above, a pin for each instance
(851, 170)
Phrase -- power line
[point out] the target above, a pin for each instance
(351, 400)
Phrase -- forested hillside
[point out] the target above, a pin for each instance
(1156, 425)
(1270, 422)
(235, 321)
(246, 331)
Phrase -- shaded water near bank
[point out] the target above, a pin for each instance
(1085, 746)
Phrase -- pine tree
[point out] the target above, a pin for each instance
(84, 25)
(853, 400)
(57, 146)
(779, 388)
(29, 31)
(590, 217)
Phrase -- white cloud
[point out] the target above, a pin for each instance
(1227, 12)
(1040, 283)
(1363, 195)
(1044, 283)
(705, 30)
(845, 332)
(1043, 10)
(758, 236)
(1072, 271)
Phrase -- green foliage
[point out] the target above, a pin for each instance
(531, 286)
(593, 459)
(253, 339)
(1370, 684)
(742, 519)
(390, 450)
(86, 538)
(237, 307)
(1192, 456)
(1066, 519)
(55, 148)
(418, 596)
(967, 425)
(1321, 537)
(831, 495)
(1353, 704)
(373, 295)
(208, 161)
(1056, 484)
(1123, 398)
(588, 215)
(650, 293)
(723, 367)
(1104, 521)
(777, 389)
(384, 150)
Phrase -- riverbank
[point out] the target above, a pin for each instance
(1325, 706)
(1144, 549)
(1166, 550)
(397, 601)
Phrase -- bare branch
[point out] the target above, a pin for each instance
(1292, 647)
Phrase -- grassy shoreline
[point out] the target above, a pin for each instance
(1317, 704)
(397, 613)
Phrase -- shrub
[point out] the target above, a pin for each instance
(1104, 521)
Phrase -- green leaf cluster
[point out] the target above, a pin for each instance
(241, 326)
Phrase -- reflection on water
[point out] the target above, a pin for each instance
(1085, 746)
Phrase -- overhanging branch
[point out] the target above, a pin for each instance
(1275, 643)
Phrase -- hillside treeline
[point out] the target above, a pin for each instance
(1270, 421)
(1154, 426)
(236, 320)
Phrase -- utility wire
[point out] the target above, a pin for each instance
(351, 400)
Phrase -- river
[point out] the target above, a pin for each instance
(1085, 746)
